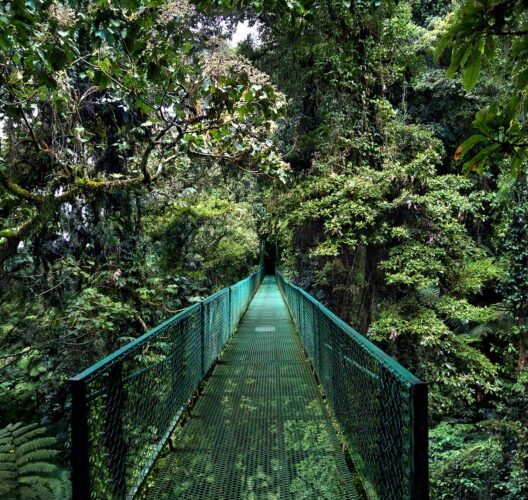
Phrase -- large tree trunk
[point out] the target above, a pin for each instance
(373, 281)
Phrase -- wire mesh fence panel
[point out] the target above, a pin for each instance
(381, 408)
(125, 407)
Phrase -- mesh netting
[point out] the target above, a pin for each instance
(125, 407)
(260, 429)
(372, 397)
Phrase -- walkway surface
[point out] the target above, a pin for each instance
(260, 429)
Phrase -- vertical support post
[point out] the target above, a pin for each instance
(302, 322)
(114, 432)
(393, 447)
(420, 452)
(317, 344)
(79, 434)
(231, 322)
(308, 327)
(390, 440)
(202, 340)
(181, 377)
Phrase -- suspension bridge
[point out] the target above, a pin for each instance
(257, 392)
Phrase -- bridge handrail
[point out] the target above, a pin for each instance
(125, 407)
(380, 406)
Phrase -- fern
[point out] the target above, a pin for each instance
(26, 464)
(428, 295)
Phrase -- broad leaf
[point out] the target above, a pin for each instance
(482, 156)
(472, 72)
(469, 143)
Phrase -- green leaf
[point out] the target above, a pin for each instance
(516, 167)
(105, 64)
(466, 55)
(472, 72)
(482, 156)
(442, 44)
(456, 57)
(511, 109)
(4, 41)
(101, 34)
(469, 143)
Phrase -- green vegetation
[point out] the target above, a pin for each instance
(382, 145)
(25, 467)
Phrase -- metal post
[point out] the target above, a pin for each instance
(393, 448)
(390, 439)
(420, 455)
(317, 344)
(202, 339)
(114, 432)
(301, 315)
(79, 434)
(231, 325)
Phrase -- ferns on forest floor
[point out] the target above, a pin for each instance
(27, 469)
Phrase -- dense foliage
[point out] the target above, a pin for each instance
(25, 467)
(381, 145)
(408, 211)
(129, 150)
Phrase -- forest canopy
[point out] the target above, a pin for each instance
(381, 146)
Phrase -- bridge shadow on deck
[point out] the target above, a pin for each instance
(260, 429)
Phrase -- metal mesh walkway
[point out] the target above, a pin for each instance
(260, 429)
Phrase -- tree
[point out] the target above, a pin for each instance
(476, 31)
(100, 99)
(109, 116)
(483, 31)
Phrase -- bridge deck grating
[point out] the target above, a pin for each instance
(260, 429)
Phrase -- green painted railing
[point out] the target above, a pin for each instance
(125, 407)
(380, 407)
